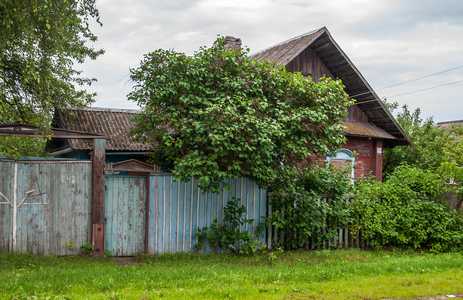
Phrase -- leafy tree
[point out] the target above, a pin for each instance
(427, 143)
(40, 44)
(432, 148)
(219, 114)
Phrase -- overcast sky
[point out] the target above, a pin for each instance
(389, 41)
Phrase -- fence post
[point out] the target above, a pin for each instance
(269, 225)
(98, 186)
(15, 206)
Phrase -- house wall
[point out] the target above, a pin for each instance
(355, 114)
(368, 162)
(308, 63)
(368, 156)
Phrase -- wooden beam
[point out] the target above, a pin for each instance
(379, 160)
(147, 212)
(98, 189)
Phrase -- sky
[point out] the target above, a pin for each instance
(390, 41)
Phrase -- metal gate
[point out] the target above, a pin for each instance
(125, 213)
(178, 209)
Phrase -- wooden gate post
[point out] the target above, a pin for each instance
(98, 191)
(379, 160)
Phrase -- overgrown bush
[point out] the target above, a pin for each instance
(219, 114)
(406, 212)
(310, 204)
(229, 235)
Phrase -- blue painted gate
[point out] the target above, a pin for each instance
(125, 213)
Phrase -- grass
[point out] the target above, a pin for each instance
(340, 274)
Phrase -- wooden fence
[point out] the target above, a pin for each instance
(158, 214)
(44, 206)
(343, 239)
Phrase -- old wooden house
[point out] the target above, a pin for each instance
(123, 152)
(369, 127)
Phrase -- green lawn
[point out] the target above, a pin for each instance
(348, 274)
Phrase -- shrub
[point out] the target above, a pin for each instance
(86, 249)
(229, 236)
(310, 204)
(219, 114)
(405, 212)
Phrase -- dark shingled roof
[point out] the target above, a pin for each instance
(114, 124)
(322, 43)
(286, 51)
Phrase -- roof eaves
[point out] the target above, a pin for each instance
(365, 82)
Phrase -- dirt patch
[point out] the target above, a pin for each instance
(125, 261)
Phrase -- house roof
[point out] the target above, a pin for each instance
(322, 43)
(363, 129)
(33, 131)
(448, 124)
(114, 124)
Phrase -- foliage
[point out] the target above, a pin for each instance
(86, 249)
(427, 143)
(219, 114)
(40, 44)
(310, 204)
(229, 236)
(432, 148)
(15, 147)
(405, 212)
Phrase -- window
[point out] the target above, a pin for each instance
(341, 159)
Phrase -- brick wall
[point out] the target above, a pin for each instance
(368, 159)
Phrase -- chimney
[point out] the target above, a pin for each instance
(232, 43)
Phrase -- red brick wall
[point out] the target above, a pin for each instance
(366, 156)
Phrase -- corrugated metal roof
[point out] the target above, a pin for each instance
(366, 130)
(114, 124)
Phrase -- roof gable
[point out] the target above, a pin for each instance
(340, 66)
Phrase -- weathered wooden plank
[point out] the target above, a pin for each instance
(98, 183)
(53, 201)
(6, 197)
(125, 207)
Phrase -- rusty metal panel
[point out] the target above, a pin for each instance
(177, 209)
(6, 212)
(51, 215)
(125, 208)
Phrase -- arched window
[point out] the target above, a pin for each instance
(343, 158)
